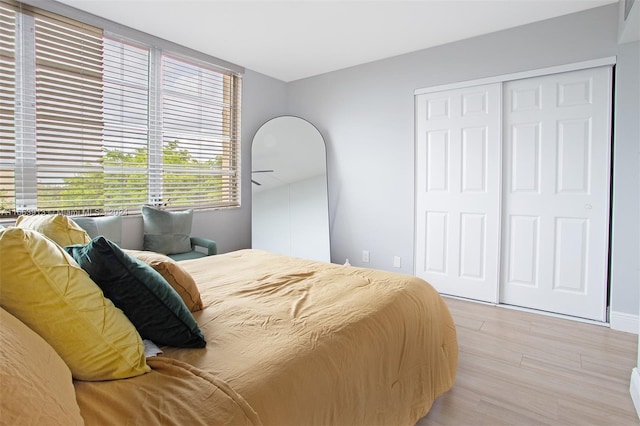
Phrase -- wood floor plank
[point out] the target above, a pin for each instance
(521, 368)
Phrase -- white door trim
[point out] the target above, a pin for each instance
(611, 60)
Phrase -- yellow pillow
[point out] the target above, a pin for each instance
(58, 227)
(175, 275)
(43, 287)
(36, 383)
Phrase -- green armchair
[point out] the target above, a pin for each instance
(168, 232)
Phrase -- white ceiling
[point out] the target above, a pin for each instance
(290, 40)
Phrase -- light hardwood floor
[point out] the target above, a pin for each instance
(520, 368)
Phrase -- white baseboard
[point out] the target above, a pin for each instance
(634, 389)
(624, 322)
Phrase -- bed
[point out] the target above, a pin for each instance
(293, 342)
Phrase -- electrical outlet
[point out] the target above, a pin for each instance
(397, 261)
(365, 256)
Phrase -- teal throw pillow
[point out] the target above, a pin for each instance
(166, 232)
(109, 227)
(145, 297)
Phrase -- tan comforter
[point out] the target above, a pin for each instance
(296, 342)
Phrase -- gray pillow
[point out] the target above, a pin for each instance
(166, 232)
(109, 227)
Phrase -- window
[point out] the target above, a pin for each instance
(92, 122)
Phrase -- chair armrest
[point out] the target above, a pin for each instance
(210, 245)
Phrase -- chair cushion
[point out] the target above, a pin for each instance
(58, 227)
(44, 288)
(193, 254)
(146, 298)
(109, 227)
(166, 232)
(175, 275)
(36, 383)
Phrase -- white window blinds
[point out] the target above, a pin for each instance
(92, 123)
(68, 87)
(126, 125)
(197, 134)
(7, 107)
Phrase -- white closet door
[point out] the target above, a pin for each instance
(458, 164)
(556, 192)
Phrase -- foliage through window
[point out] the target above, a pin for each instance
(92, 123)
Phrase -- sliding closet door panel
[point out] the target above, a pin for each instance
(556, 192)
(458, 190)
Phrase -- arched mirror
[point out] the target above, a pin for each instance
(290, 212)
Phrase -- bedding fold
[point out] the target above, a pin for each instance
(173, 393)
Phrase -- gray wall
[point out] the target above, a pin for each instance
(625, 250)
(366, 113)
